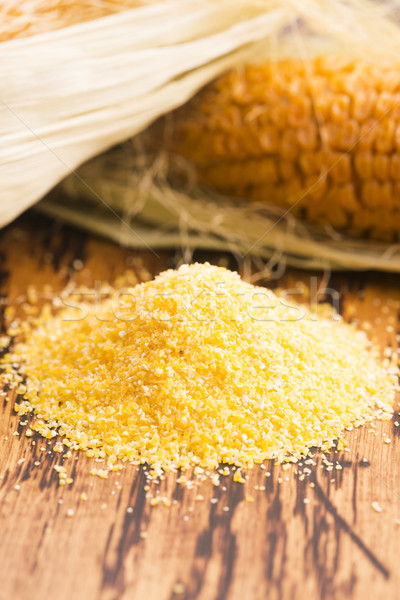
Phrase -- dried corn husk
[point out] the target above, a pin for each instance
(149, 212)
(69, 94)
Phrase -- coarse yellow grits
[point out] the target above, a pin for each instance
(198, 367)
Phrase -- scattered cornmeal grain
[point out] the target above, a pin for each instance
(238, 477)
(376, 506)
(209, 370)
(178, 589)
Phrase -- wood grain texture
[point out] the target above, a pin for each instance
(334, 547)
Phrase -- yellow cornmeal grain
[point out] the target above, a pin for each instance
(198, 367)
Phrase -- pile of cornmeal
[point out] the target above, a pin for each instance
(198, 367)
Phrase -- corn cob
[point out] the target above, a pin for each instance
(319, 137)
(31, 17)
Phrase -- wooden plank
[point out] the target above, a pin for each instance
(336, 546)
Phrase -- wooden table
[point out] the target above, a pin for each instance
(334, 546)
